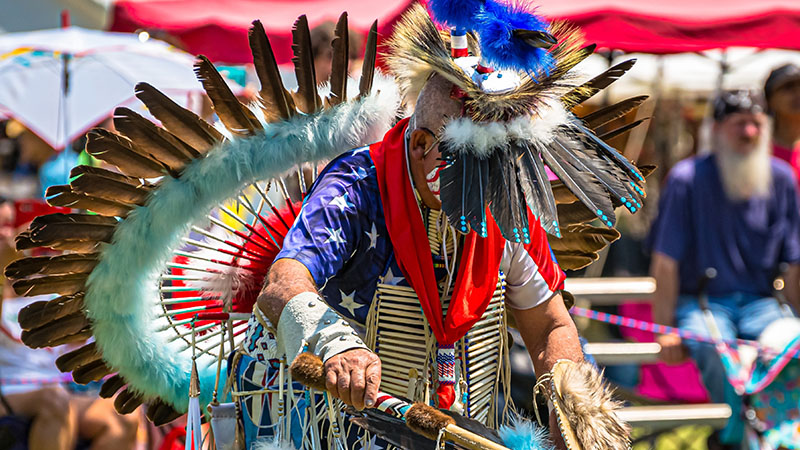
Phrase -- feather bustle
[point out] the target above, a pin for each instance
(574, 213)
(69, 284)
(69, 227)
(368, 65)
(78, 357)
(585, 157)
(604, 115)
(24, 241)
(50, 265)
(161, 413)
(65, 197)
(93, 371)
(38, 314)
(584, 238)
(58, 331)
(505, 197)
(275, 100)
(235, 116)
(587, 90)
(111, 386)
(574, 260)
(306, 98)
(608, 135)
(119, 151)
(537, 190)
(81, 336)
(94, 185)
(613, 155)
(151, 140)
(340, 62)
(582, 184)
(184, 124)
(127, 401)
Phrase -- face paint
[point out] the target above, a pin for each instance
(432, 178)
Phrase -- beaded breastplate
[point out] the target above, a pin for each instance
(399, 333)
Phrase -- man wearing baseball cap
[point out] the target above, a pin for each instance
(734, 210)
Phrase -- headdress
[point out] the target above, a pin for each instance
(517, 89)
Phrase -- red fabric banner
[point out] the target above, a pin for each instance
(218, 29)
(480, 257)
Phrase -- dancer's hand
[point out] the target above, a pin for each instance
(354, 377)
(672, 350)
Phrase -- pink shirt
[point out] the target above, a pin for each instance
(792, 156)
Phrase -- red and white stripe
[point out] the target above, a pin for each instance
(458, 43)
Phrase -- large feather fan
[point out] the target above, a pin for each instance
(190, 207)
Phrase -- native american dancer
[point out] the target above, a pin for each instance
(397, 271)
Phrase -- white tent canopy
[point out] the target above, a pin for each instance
(691, 74)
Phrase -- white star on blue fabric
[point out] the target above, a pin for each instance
(360, 172)
(342, 202)
(349, 304)
(389, 278)
(373, 236)
(335, 236)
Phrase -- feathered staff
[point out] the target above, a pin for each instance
(429, 423)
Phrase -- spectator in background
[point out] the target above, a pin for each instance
(31, 387)
(321, 39)
(735, 210)
(782, 91)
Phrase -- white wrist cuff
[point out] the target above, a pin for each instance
(308, 320)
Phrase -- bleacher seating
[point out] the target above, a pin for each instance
(613, 291)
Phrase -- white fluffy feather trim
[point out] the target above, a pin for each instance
(480, 139)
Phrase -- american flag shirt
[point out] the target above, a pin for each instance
(340, 236)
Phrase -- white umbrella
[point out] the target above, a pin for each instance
(61, 82)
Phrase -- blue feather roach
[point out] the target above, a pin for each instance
(495, 24)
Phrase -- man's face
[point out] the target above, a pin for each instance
(785, 101)
(742, 131)
(435, 107)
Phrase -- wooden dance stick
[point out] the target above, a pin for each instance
(422, 419)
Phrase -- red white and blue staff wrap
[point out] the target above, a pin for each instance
(458, 42)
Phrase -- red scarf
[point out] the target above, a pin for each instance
(480, 257)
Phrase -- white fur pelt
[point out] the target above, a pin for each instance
(123, 288)
(591, 409)
(480, 139)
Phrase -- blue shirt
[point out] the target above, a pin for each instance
(343, 215)
(745, 241)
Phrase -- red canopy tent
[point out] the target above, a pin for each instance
(673, 26)
(218, 28)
